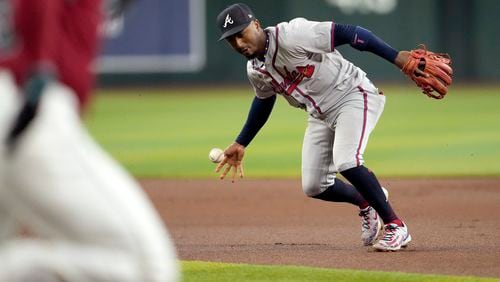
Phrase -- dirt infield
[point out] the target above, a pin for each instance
(455, 225)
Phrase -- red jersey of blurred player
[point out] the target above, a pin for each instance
(61, 34)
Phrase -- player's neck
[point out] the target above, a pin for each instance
(263, 53)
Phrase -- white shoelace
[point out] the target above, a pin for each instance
(390, 231)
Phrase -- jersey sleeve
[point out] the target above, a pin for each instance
(308, 36)
(260, 84)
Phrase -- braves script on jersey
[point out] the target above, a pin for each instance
(303, 66)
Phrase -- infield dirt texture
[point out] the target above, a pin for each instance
(456, 229)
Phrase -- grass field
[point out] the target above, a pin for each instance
(168, 133)
(208, 271)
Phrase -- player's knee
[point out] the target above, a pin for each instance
(313, 186)
(348, 163)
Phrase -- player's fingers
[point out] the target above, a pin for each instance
(241, 170)
(235, 169)
(225, 171)
(221, 164)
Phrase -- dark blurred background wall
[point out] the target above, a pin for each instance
(466, 29)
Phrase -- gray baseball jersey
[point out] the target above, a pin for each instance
(302, 65)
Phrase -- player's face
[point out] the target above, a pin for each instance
(249, 42)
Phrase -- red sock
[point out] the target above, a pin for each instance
(398, 222)
(363, 205)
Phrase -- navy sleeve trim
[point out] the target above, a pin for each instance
(258, 115)
(363, 40)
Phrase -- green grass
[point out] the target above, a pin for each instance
(221, 272)
(168, 133)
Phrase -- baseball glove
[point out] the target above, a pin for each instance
(430, 71)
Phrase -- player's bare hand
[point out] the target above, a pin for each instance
(232, 162)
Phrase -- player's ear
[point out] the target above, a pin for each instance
(257, 24)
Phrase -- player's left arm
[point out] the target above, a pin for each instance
(363, 39)
(431, 71)
(322, 37)
(258, 115)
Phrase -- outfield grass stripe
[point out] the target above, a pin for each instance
(168, 133)
(222, 272)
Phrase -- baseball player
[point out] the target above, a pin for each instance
(90, 220)
(299, 61)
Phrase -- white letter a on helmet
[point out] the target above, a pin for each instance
(228, 20)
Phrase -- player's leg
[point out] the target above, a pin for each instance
(8, 225)
(44, 260)
(100, 225)
(354, 124)
(318, 169)
(318, 178)
(9, 105)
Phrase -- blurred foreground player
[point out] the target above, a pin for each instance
(90, 219)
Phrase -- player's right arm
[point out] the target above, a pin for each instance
(260, 110)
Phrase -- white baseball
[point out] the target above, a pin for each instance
(216, 155)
